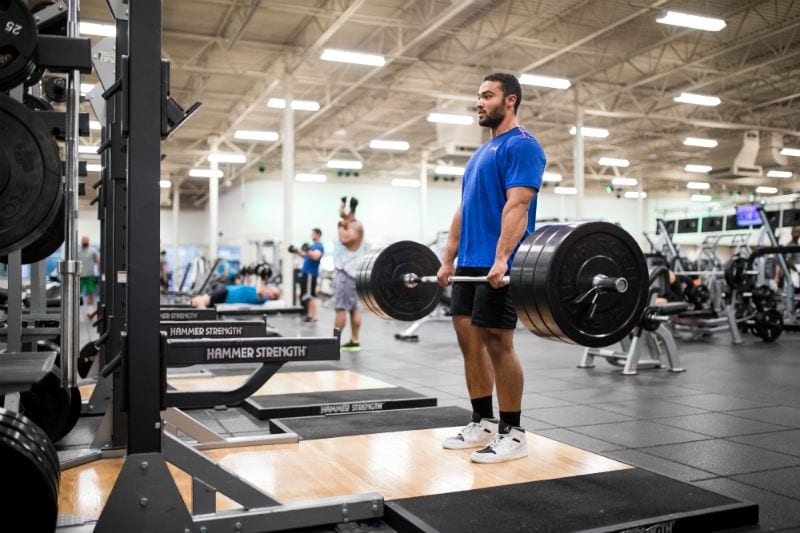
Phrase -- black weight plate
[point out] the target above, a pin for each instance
(43, 446)
(36, 103)
(26, 484)
(768, 325)
(564, 271)
(48, 405)
(523, 270)
(362, 284)
(50, 241)
(382, 283)
(29, 436)
(543, 275)
(17, 43)
(735, 275)
(30, 177)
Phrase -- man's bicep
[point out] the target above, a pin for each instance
(520, 195)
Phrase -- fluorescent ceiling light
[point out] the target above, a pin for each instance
(221, 157)
(698, 99)
(389, 145)
(447, 118)
(357, 58)
(205, 173)
(94, 168)
(623, 181)
(95, 28)
(703, 143)
(685, 20)
(345, 164)
(613, 162)
(86, 88)
(297, 105)
(95, 125)
(544, 81)
(449, 170)
(256, 135)
(700, 169)
(790, 151)
(779, 174)
(86, 149)
(701, 198)
(698, 185)
(763, 189)
(165, 184)
(600, 133)
(565, 190)
(403, 182)
(635, 194)
(311, 178)
(551, 177)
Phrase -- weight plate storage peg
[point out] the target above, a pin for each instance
(17, 43)
(584, 283)
(382, 289)
(30, 177)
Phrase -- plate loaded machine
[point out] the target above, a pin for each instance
(650, 333)
(145, 496)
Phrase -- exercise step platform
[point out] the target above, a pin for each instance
(334, 401)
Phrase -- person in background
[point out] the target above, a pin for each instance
(346, 258)
(88, 257)
(309, 273)
(164, 272)
(257, 294)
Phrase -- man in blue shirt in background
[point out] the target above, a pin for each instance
(497, 212)
(309, 273)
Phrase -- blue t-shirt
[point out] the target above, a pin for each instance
(243, 294)
(513, 159)
(311, 266)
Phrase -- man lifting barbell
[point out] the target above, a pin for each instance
(583, 283)
(497, 211)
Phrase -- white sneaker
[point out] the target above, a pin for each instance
(504, 447)
(473, 435)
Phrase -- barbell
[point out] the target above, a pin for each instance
(584, 283)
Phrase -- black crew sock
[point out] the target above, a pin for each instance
(511, 417)
(482, 407)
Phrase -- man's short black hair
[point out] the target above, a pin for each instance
(317, 231)
(510, 85)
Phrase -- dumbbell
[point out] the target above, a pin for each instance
(263, 271)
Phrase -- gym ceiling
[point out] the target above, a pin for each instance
(624, 70)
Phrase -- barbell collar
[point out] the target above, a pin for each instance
(602, 281)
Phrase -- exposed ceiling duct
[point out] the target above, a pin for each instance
(744, 162)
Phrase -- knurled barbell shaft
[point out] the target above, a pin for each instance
(600, 281)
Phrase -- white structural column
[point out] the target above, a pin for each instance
(176, 220)
(640, 213)
(213, 213)
(423, 195)
(578, 160)
(287, 174)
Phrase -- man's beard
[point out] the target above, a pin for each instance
(491, 120)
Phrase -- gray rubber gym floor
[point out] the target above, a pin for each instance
(730, 423)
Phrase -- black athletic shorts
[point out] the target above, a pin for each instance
(308, 286)
(488, 307)
(218, 296)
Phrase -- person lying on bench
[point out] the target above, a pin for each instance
(238, 294)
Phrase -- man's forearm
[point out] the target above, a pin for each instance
(451, 248)
(512, 227)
